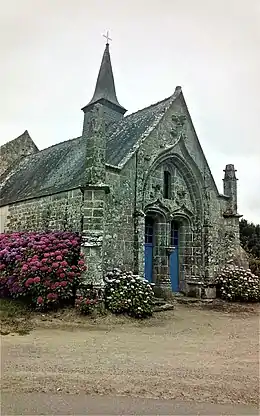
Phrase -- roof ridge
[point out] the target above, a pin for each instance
(58, 144)
(178, 90)
(146, 108)
(25, 133)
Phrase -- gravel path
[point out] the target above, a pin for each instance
(188, 354)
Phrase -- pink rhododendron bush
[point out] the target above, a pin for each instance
(238, 284)
(44, 268)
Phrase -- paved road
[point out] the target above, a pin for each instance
(66, 404)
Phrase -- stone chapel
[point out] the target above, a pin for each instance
(137, 187)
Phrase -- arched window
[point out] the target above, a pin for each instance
(167, 185)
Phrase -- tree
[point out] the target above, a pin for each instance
(250, 237)
(250, 241)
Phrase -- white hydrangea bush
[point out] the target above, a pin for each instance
(128, 293)
(238, 284)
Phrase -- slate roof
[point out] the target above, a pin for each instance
(127, 134)
(61, 167)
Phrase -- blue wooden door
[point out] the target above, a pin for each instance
(148, 248)
(174, 258)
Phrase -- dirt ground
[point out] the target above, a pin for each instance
(190, 353)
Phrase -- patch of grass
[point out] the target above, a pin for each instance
(10, 308)
(220, 305)
(15, 317)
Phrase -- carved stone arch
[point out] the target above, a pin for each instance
(184, 213)
(169, 166)
(158, 207)
(191, 180)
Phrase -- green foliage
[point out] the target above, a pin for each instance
(85, 305)
(127, 293)
(254, 265)
(250, 241)
(250, 237)
(88, 300)
(238, 284)
(10, 308)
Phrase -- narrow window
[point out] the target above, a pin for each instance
(167, 185)
(149, 227)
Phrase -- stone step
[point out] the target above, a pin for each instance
(189, 300)
(159, 301)
(163, 307)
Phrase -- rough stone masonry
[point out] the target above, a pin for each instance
(138, 188)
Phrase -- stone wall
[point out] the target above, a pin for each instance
(173, 145)
(50, 213)
(3, 218)
(14, 150)
(119, 218)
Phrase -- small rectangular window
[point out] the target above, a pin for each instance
(167, 185)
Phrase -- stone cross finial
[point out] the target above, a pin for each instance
(107, 37)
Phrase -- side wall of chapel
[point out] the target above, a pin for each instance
(57, 212)
(119, 233)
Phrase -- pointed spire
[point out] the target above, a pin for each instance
(105, 91)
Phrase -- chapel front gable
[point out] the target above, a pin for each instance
(175, 134)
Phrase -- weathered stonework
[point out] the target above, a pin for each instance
(13, 151)
(59, 212)
(124, 178)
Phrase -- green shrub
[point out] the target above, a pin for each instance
(254, 265)
(238, 284)
(128, 293)
(88, 300)
(85, 305)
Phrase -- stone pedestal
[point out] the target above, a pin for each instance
(193, 288)
(163, 292)
(209, 291)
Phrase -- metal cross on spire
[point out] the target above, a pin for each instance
(107, 37)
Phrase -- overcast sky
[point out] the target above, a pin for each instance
(51, 52)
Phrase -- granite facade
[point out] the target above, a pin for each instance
(120, 175)
(58, 212)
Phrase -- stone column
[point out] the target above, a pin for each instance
(232, 237)
(230, 188)
(139, 240)
(161, 257)
(94, 195)
(93, 232)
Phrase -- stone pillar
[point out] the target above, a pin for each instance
(231, 215)
(139, 215)
(207, 245)
(94, 136)
(93, 232)
(94, 195)
(139, 240)
(230, 188)
(161, 258)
